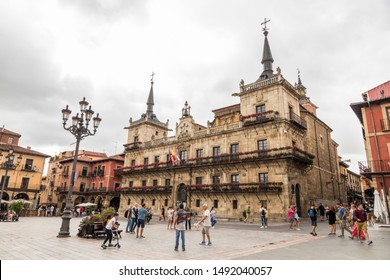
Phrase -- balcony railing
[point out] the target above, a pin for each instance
(297, 120)
(223, 159)
(374, 166)
(147, 189)
(133, 145)
(259, 117)
(234, 187)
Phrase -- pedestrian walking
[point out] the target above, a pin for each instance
(290, 216)
(111, 224)
(321, 209)
(128, 217)
(355, 233)
(134, 218)
(361, 222)
(313, 217)
(162, 215)
(296, 218)
(170, 218)
(248, 214)
(141, 221)
(342, 214)
(179, 224)
(213, 216)
(263, 216)
(332, 221)
(206, 221)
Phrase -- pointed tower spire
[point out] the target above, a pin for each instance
(150, 102)
(267, 55)
(300, 87)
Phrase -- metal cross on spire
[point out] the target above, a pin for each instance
(265, 24)
(151, 79)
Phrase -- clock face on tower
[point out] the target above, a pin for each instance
(183, 130)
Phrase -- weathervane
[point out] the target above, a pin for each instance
(265, 24)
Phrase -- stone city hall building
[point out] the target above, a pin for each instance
(269, 149)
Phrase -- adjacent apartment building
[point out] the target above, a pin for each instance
(374, 116)
(268, 148)
(95, 179)
(21, 180)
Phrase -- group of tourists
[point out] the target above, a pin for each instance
(136, 223)
(353, 220)
(47, 211)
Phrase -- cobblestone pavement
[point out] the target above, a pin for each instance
(34, 238)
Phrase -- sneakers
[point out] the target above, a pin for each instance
(342, 236)
(298, 229)
(183, 249)
(267, 227)
(369, 242)
(313, 233)
(202, 243)
(262, 227)
(110, 245)
(209, 244)
(103, 246)
(176, 249)
(351, 237)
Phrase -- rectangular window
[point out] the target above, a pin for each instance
(197, 203)
(262, 147)
(10, 139)
(142, 201)
(131, 184)
(93, 186)
(199, 153)
(215, 203)
(117, 185)
(235, 204)
(198, 180)
(234, 150)
(263, 178)
(136, 139)
(260, 108)
(100, 186)
(235, 178)
(25, 182)
(132, 162)
(166, 202)
(95, 171)
(146, 161)
(183, 155)
(29, 164)
(216, 151)
(6, 181)
(144, 183)
(216, 179)
(128, 201)
(155, 182)
(153, 201)
(156, 159)
(84, 172)
(167, 182)
(82, 187)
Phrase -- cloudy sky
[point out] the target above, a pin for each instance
(54, 53)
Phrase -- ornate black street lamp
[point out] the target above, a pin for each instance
(80, 130)
(7, 165)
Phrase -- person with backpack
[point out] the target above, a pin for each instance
(128, 217)
(313, 217)
(179, 224)
(263, 216)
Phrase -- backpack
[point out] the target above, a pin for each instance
(311, 213)
(262, 212)
(126, 213)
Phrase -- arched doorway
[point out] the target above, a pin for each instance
(298, 199)
(5, 196)
(115, 203)
(181, 194)
(21, 196)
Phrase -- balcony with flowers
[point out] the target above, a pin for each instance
(146, 190)
(235, 187)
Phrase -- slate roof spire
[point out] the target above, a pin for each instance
(267, 55)
(150, 102)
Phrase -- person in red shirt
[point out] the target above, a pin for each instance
(360, 216)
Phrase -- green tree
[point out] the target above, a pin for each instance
(16, 206)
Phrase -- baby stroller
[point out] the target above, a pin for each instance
(116, 234)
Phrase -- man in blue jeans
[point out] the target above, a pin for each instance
(141, 221)
(179, 225)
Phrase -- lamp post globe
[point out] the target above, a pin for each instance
(79, 128)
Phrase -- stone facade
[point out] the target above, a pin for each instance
(269, 149)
